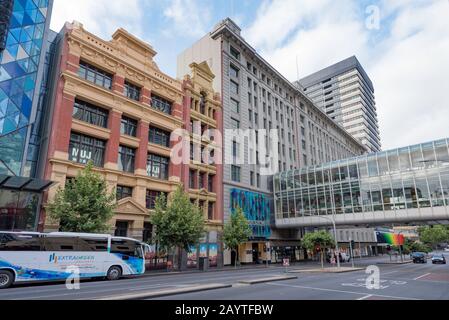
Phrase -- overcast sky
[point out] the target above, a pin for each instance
(405, 52)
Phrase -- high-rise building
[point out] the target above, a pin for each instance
(25, 55)
(256, 96)
(345, 93)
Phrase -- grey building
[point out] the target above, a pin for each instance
(257, 96)
(345, 92)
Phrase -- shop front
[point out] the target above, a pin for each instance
(20, 202)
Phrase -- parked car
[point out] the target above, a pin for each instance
(438, 258)
(419, 257)
(447, 249)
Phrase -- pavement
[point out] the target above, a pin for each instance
(407, 281)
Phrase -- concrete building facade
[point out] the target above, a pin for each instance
(345, 93)
(256, 96)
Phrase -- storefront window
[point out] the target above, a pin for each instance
(18, 210)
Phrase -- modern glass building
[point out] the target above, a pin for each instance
(24, 47)
(409, 184)
(21, 69)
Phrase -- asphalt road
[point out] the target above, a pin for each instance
(410, 281)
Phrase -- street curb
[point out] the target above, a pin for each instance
(325, 270)
(395, 263)
(265, 280)
(166, 292)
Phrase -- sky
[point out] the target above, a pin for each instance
(402, 44)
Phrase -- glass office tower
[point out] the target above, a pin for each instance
(24, 40)
(23, 33)
(409, 184)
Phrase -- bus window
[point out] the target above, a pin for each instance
(92, 244)
(18, 242)
(126, 247)
(60, 244)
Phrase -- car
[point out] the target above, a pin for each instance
(446, 249)
(344, 257)
(438, 258)
(419, 257)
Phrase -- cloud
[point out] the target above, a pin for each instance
(406, 58)
(101, 17)
(187, 18)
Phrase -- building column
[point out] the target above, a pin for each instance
(142, 152)
(145, 96)
(177, 110)
(112, 146)
(118, 84)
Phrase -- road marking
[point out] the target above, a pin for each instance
(424, 275)
(339, 291)
(365, 297)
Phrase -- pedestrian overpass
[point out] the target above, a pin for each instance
(403, 186)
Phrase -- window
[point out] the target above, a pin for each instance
(235, 173)
(159, 137)
(161, 104)
(61, 244)
(251, 176)
(210, 211)
(147, 233)
(126, 159)
(95, 75)
(235, 53)
(258, 180)
(234, 88)
(16, 242)
(84, 148)
(126, 247)
(128, 127)
(192, 174)
(121, 229)
(210, 183)
(235, 106)
(123, 192)
(151, 198)
(235, 124)
(233, 71)
(89, 113)
(132, 91)
(157, 167)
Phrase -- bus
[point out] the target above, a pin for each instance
(34, 257)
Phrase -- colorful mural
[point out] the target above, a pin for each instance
(392, 239)
(257, 209)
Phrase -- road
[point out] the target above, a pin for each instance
(410, 281)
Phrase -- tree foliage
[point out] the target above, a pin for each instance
(321, 238)
(433, 235)
(236, 231)
(84, 204)
(178, 222)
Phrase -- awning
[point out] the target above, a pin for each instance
(24, 184)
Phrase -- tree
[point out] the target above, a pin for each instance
(178, 222)
(236, 232)
(322, 238)
(433, 235)
(84, 205)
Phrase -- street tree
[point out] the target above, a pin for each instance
(84, 204)
(236, 232)
(321, 239)
(179, 224)
(433, 235)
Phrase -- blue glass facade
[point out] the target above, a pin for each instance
(21, 72)
(257, 209)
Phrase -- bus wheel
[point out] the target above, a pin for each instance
(6, 279)
(114, 273)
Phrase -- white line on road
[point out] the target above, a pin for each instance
(365, 297)
(424, 275)
(339, 291)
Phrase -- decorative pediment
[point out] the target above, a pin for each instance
(129, 206)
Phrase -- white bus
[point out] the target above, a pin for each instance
(29, 257)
